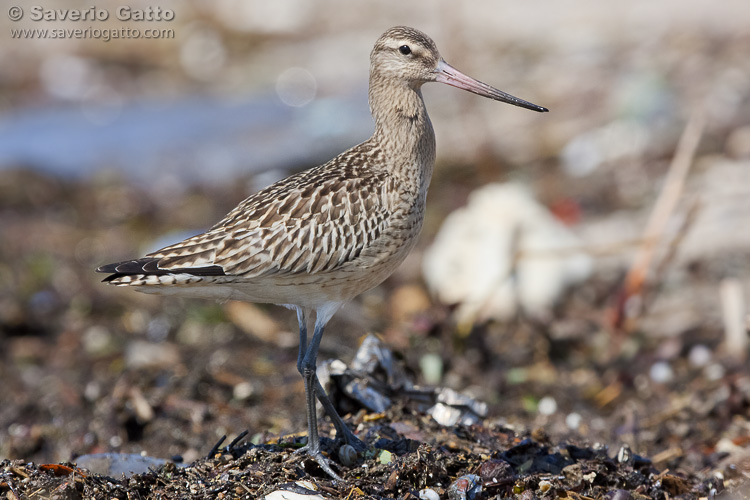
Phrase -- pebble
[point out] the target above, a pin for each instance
(714, 371)
(142, 354)
(158, 328)
(547, 406)
(661, 372)
(700, 355)
(243, 391)
(97, 341)
(573, 420)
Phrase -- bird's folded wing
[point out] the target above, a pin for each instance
(312, 229)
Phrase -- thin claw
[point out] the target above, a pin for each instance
(322, 460)
(325, 464)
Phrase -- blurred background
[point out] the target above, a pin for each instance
(110, 149)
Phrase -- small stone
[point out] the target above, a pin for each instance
(243, 391)
(573, 420)
(97, 341)
(700, 355)
(544, 486)
(141, 354)
(547, 406)
(158, 329)
(714, 371)
(661, 372)
(572, 472)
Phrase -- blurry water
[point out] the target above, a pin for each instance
(197, 139)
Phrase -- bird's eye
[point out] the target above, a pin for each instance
(405, 50)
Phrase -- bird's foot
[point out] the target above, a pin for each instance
(323, 461)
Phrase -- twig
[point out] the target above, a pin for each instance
(669, 255)
(665, 205)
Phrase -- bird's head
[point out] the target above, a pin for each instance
(407, 55)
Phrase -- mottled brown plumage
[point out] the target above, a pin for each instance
(315, 240)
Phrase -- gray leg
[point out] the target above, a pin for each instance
(302, 320)
(342, 430)
(306, 366)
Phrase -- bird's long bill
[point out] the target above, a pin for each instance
(445, 73)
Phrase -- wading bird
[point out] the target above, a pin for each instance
(313, 241)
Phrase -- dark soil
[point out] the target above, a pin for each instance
(502, 464)
(90, 369)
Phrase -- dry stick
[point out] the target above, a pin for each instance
(665, 205)
(670, 254)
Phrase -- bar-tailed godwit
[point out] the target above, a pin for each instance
(315, 240)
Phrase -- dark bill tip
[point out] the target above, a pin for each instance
(445, 73)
